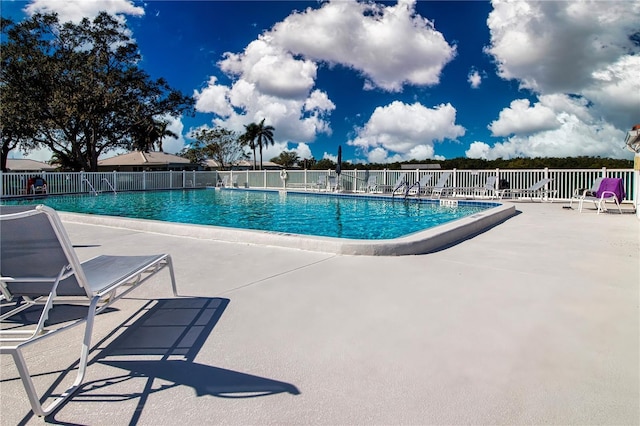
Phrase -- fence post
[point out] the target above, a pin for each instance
(455, 178)
(115, 181)
(144, 180)
(604, 172)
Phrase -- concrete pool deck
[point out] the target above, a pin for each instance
(535, 321)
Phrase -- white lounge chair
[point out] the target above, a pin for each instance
(440, 187)
(610, 190)
(400, 184)
(321, 183)
(488, 189)
(419, 187)
(225, 181)
(540, 189)
(332, 184)
(39, 267)
(372, 184)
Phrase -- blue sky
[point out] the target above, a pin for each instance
(393, 81)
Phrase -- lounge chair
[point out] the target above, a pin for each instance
(321, 183)
(488, 189)
(39, 268)
(539, 189)
(581, 193)
(372, 184)
(440, 187)
(332, 184)
(225, 182)
(418, 187)
(610, 189)
(37, 185)
(401, 184)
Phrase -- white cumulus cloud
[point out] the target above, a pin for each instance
(400, 131)
(76, 10)
(555, 46)
(172, 145)
(573, 138)
(521, 117)
(390, 45)
(580, 59)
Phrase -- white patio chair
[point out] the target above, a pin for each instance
(39, 267)
(539, 189)
(610, 190)
(580, 193)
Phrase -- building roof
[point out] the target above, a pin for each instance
(431, 166)
(137, 158)
(27, 165)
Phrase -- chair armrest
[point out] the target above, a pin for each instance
(611, 193)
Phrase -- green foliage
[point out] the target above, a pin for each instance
(515, 163)
(249, 139)
(286, 159)
(324, 164)
(222, 145)
(84, 92)
(264, 137)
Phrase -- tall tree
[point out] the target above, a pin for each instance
(264, 136)
(21, 84)
(92, 97)
(249, 139)
(220, 144)
(149, 133)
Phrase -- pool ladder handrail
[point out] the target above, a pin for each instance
(109, 184)
(93, 190)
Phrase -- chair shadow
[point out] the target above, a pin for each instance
(171, 332)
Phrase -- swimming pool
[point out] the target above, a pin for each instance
(327, 220)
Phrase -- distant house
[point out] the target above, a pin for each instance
(430, 166)
(28, 166)
(145, 161)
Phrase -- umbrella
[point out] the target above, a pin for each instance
(339, 165)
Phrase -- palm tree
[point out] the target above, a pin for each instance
(249, 138)
(264, 136)
(150, 132)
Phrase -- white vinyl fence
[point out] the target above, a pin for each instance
(565, 181)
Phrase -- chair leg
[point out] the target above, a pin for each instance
(30, 389)
(172, 275)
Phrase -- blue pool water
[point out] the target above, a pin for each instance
(351, 217)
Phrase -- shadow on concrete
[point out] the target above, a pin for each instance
(159, 345)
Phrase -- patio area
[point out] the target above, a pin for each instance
(535, 321)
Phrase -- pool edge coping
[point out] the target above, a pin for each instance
(421, 242)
